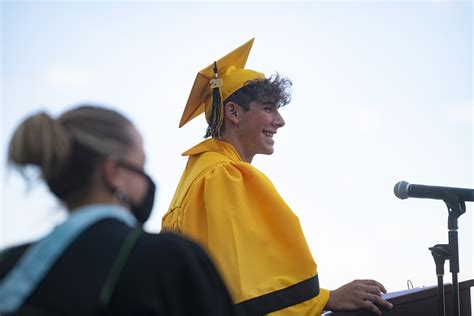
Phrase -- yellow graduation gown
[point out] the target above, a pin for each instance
(255, 239)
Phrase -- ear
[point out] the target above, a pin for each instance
(231, 111)
(111, 173)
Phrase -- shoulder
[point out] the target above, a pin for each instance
(237, 172)
(165, 256)
(217, 163)
(167, 269)
(167, 244)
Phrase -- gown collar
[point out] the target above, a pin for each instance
(214, 145)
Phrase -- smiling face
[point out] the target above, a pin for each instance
(256, 128)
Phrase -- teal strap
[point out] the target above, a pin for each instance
(118, 265)
(32, 267)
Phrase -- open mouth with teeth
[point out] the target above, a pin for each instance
(268, 133)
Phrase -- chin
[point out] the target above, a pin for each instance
(268, 151)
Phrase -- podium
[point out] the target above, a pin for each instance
(423, 302)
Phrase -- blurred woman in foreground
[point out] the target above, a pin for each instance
(100, 261)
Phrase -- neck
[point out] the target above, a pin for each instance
(92, 197)
(234, 141)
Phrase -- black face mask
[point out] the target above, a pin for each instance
(142, 210)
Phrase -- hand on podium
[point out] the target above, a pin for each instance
(358, 294)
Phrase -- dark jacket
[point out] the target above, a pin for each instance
(163, 274)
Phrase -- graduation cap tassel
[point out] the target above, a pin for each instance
(217, 117)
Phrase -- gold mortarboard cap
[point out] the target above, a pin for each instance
(233, 75)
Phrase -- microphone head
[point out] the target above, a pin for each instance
(401, 190)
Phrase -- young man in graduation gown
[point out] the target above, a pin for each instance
(233, 209)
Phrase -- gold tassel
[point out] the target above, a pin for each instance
(217, 112)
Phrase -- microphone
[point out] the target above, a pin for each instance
(405, 190)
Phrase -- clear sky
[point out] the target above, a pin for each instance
(382, 93)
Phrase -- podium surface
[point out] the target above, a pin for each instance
(423, 302)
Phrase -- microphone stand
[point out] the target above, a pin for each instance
(440, 254)
(456, 208)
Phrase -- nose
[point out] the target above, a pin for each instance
(278, 121)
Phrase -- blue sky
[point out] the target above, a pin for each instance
(382, 93)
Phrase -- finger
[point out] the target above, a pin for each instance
(377, 284)
(371, 307)
(373, 290)
(380, 285)
(380, 301)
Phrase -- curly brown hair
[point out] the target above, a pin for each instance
(275, 90)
